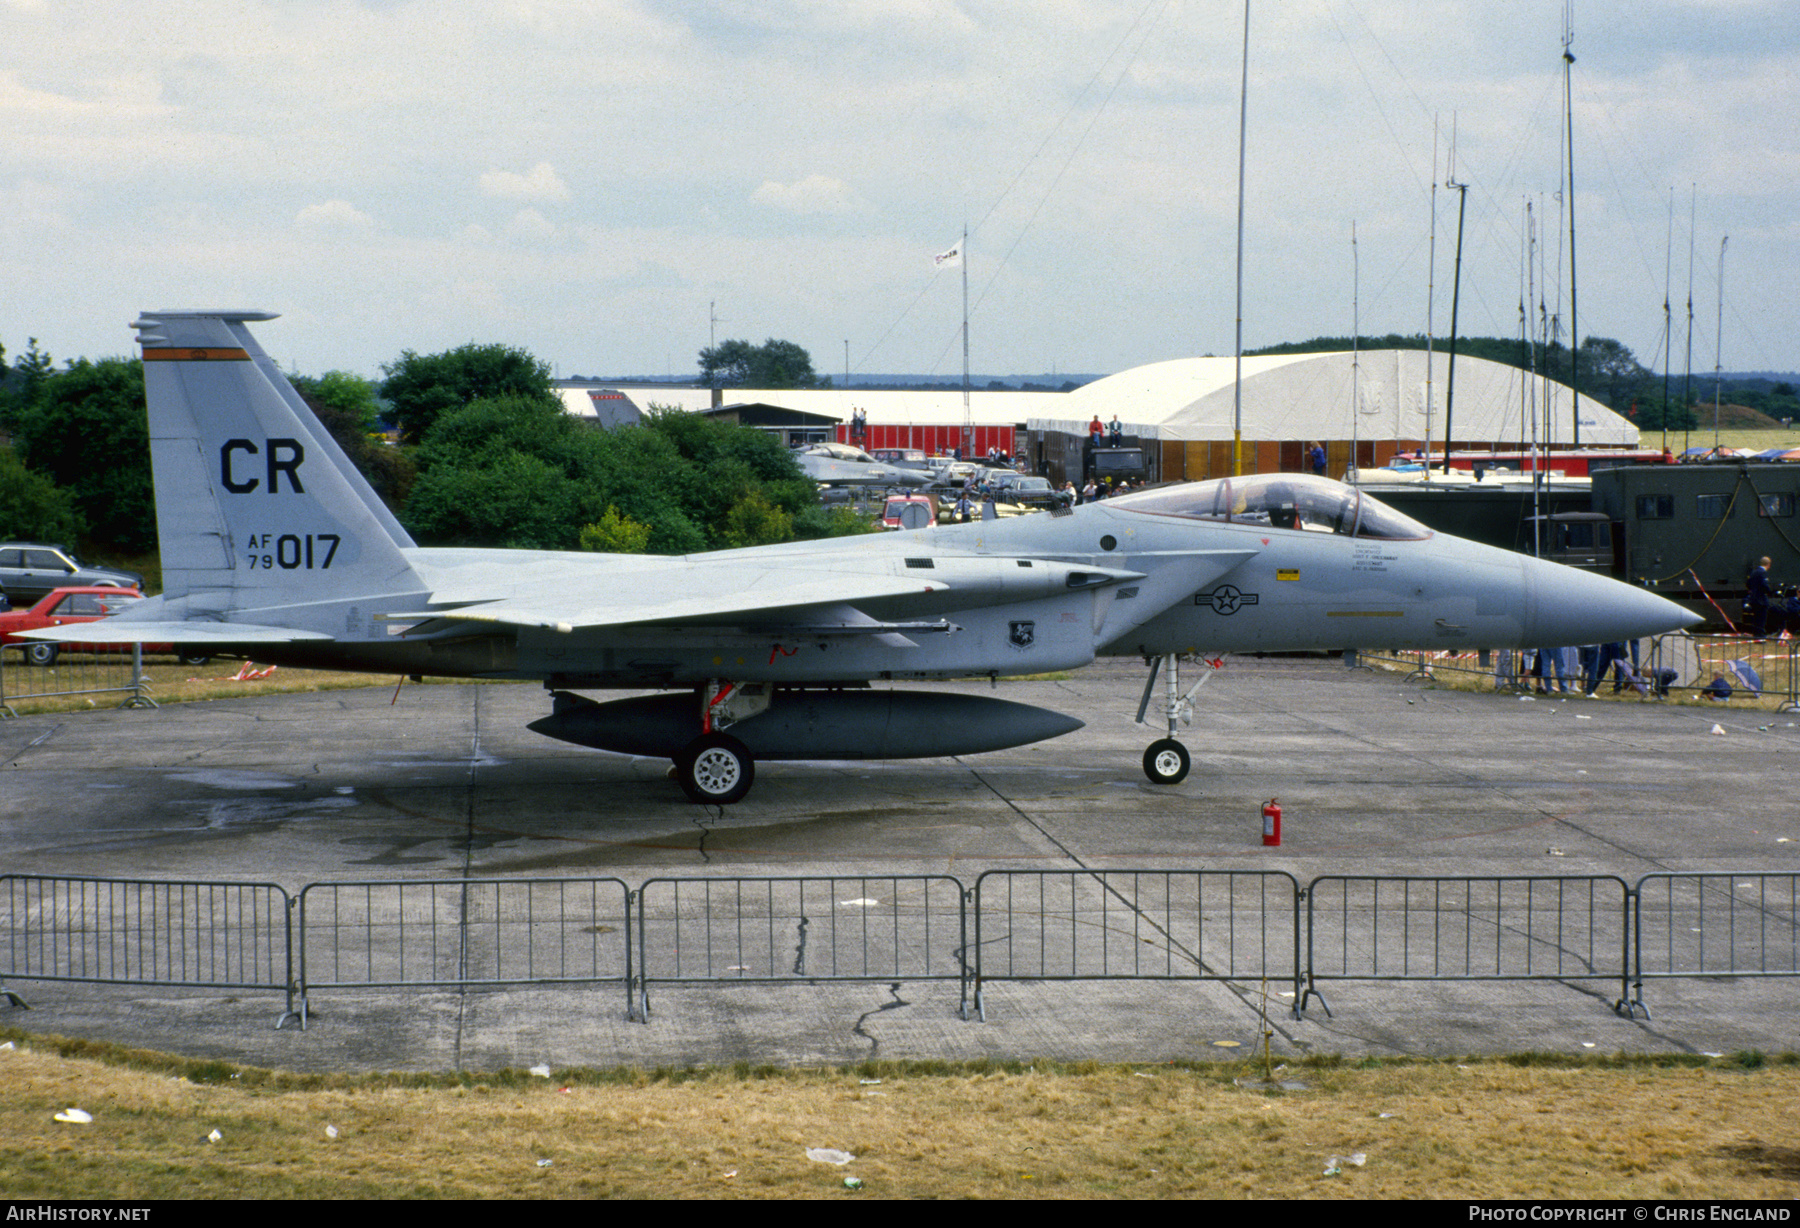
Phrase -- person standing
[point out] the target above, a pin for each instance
(1315, 458)
(1756, 601)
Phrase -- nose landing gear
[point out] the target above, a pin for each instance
(1166, 760)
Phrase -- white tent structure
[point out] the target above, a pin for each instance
(1310, 396)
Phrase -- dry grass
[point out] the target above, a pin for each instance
(1531, 1127)
(174, 683)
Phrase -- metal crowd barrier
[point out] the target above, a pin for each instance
(806, 929)
(1380, 928)
(1205, 925)
(1028, 925)
(1714, 925)
(73, 673)
(1774, 666)
(125, 931)
(462, 932)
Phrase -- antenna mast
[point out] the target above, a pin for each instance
(1569, 124)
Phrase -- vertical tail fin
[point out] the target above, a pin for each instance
(257, 507)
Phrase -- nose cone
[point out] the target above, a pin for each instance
(1571, 606)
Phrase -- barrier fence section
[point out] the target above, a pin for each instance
(71, 673)
(1677, 665)
(125, 931)
(1715, 924)
(830, 928)
(1028, 925)
(1213, 925)
(1369, 928)
(462, 932)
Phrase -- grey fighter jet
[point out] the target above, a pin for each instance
(273, 545)
(842, 464)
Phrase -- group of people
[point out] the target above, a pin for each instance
(1104, 488)
(1553, 671)
(1113, 433)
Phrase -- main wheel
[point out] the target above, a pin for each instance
(192, 656)
(716, 769)
(1166, 762)
(40, 653)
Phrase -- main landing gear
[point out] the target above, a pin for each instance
(715, 768)
(1166, 760)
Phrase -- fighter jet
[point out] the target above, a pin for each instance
(274, 545)
(842, 464)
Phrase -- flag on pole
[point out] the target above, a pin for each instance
(950, 259)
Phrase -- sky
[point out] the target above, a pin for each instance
(611, 184)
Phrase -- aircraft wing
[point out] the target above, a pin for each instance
(710, 593)
(765, 592)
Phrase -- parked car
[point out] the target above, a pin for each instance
(1026, 490)
(909, 512)
(29, 571)
(84, 604)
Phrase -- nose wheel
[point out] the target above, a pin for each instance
(1166, 762)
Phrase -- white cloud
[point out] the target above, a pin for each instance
(540, 183)
(334, 215)
(813, 194)
(528, 223)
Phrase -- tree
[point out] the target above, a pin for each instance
(773, 364)
(512, 471)
(32, 508)
(1610, 373)
(85, 428)
(422, 387)
(346, 407)
(615, 534)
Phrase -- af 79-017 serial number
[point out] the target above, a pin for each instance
(291, 551)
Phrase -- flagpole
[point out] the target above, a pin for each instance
(1237, 368)
(968, 426)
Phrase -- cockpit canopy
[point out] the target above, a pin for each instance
(839, 451)
(1278, 501)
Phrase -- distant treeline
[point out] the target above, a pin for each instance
(1603, 369)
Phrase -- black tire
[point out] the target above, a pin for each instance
(715, 769)
(40, 653)
(191, 656)
(1166, 762)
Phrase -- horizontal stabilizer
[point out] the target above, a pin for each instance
(120, 631)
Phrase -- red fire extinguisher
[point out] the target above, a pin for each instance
(1271, 824)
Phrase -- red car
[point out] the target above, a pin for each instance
(74, 605)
